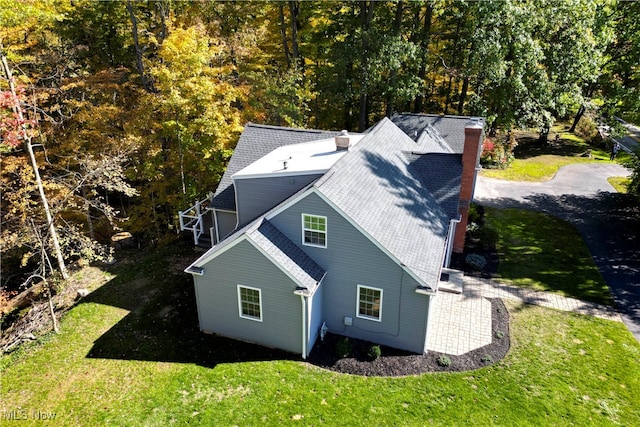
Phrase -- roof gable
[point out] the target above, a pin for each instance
(375, 186)
(288, 255)
(449, 128)
(276, 247)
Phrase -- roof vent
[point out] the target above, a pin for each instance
(342, 141)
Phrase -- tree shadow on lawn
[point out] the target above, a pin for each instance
(610, 226)
(531, 146)
(162, 325)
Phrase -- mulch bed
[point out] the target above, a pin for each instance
(395, 363)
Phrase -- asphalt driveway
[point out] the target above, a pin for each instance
(629, 142)
(581, 195)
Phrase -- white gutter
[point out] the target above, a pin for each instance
(288, 173)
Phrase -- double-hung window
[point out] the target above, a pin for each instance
(369, 303)
(314, 230)
(250, 303)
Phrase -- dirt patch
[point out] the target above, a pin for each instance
(394, 362)
(34, 321)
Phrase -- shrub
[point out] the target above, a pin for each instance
(343, 347)
(475, 213)
(633, 164)
(587, 128)
(488, 236)
(476, 261)
(444, 360)
(498, 153)
(473, 227)
(374, 352)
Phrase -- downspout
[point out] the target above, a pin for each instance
(427, 326)
(235, 195)
(306, 314)
(309, 307)
(304, 322)
(452, 233)
(215, 222)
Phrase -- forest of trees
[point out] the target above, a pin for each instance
(129, 110)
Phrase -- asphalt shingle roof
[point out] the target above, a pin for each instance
(450, 128)
(400, 184)
(441, 174)
(385, 194)
(255, 142)
(287, 254)
(279, 247)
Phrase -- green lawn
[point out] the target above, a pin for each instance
(538, 168)
(620, 183)
(536, 162)
(130, 354)
(542, 252)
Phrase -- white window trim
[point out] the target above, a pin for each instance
(244, 316)
(362, 316)
(326, 230)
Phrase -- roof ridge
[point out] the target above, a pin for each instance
(447, 116)
(371, 132)
(289, 129)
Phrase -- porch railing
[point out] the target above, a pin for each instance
(191, 219)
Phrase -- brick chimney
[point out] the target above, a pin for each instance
(342, 141)
(470, 166)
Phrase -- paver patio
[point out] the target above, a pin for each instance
(462, 322)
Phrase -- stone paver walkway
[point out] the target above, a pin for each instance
(581, 194)
(462, 322)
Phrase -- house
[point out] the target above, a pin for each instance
(319, 231)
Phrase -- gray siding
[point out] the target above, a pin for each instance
(352, 259)
(227, 222)
(255, 196)
(217, 298)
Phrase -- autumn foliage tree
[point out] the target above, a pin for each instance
(139, 104)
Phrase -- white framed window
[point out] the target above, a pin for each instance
(314, 230)
(369, 303)
(250, 303)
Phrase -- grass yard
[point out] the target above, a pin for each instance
(542, 252)
(620, 183)
(130, 354)
(538, 168)
(536, 162)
